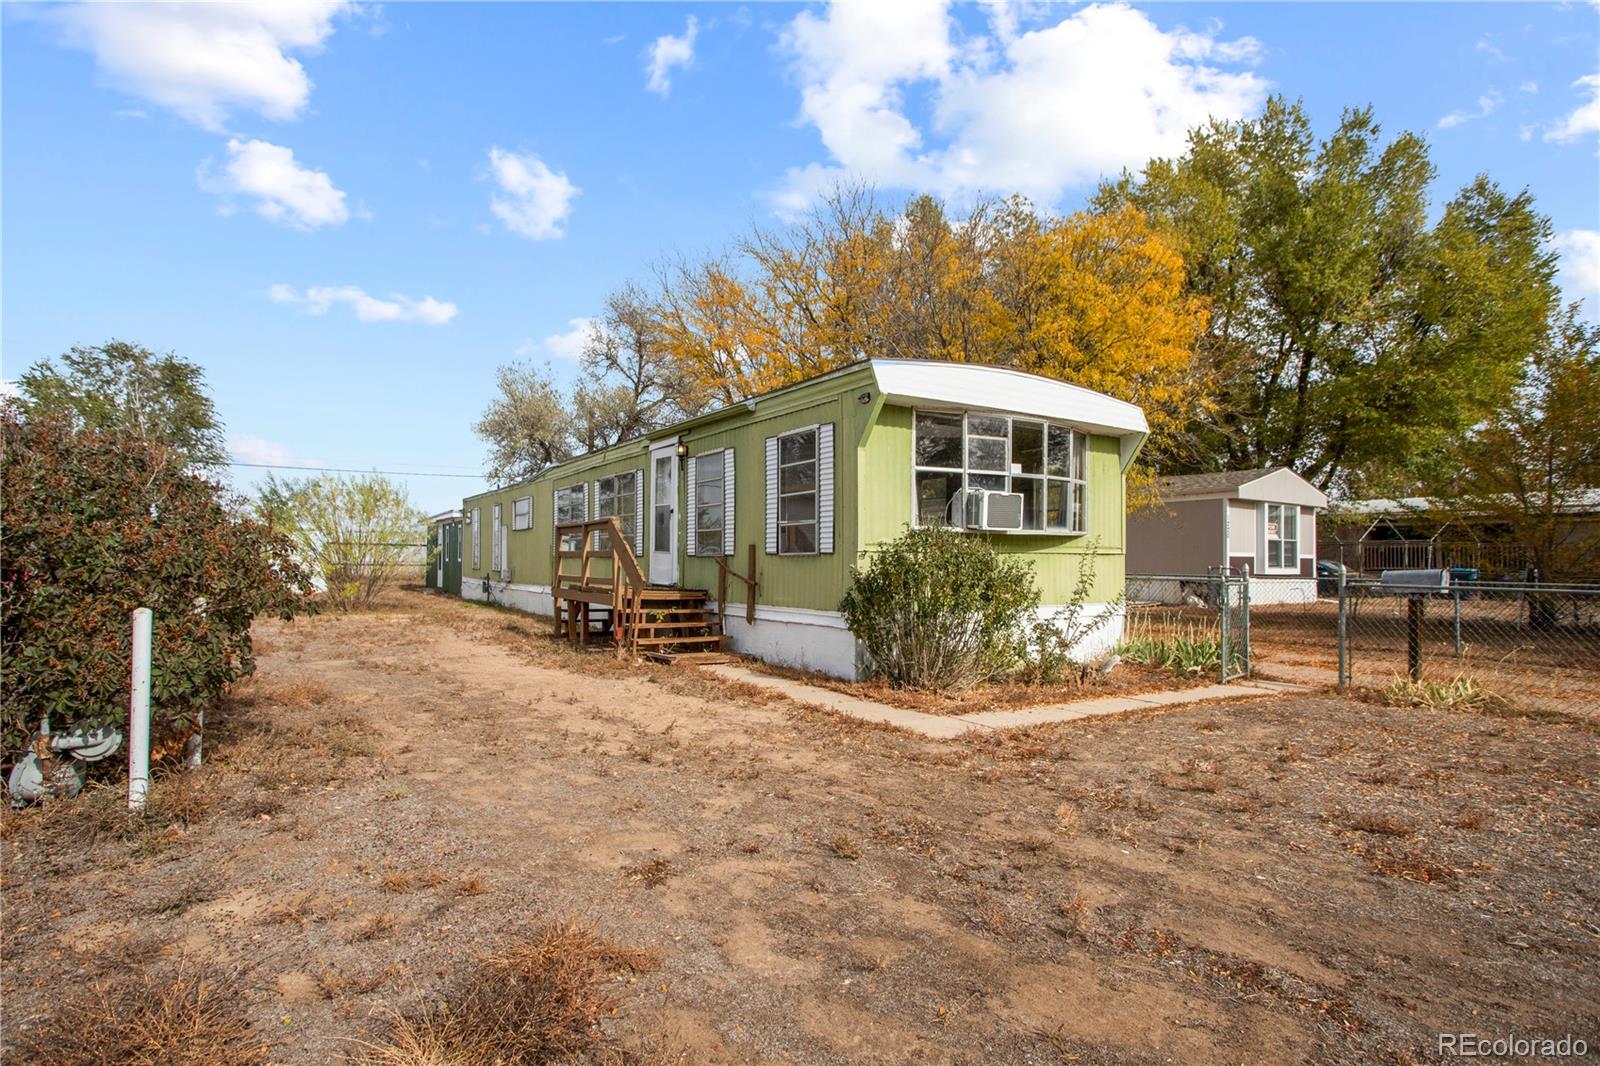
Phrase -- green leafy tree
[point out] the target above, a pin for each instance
(1347, 338)
(127, 389)
(358, 534)
(1534, 464)
(96, 524)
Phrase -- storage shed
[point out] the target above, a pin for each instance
(1261, 521)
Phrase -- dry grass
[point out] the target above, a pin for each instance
(844, 846)
(397, 883)
(540, 1000)
(651, 873)
(376, 926)
(1378, 823)
(196, 1017)
(472, 885)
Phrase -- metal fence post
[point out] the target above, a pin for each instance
(1414, 609)
(1457, 597)
(1221, 592)
(1244, 589)
(1344, 658)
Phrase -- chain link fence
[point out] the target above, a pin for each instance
(1533, 644)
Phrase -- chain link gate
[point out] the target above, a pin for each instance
(1195, 624)
(1232, 590)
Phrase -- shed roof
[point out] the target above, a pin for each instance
(1272, 484)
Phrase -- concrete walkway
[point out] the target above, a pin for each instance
(947, 726)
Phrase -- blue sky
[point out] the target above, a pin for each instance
(351, 216)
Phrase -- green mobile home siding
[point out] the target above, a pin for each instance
(799, 595)
(884, 511)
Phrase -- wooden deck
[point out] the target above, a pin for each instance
(660, 622)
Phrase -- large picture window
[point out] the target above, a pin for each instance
(618, 495)
(1042, 461)
(569, 508)
(797, 493)
(1283, 536)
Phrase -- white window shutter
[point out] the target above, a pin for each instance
(825, 488)
(727, 502)
(772, 495)
(594, 537)
(638, 507)
(691, 511)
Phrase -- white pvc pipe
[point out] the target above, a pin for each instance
(139, 712)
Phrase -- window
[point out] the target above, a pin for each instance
(666, 489)
(797, 493)
(1042, 461)
(498, 533)
(569, 507)
(1283, 536)
(475, 520)
(618, 495)
(708, 504)
(522, 513)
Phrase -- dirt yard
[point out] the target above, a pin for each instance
(400, 795)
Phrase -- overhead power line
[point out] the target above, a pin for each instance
(353, 470)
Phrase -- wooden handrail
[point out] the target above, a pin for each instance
(626, 580)
(724, 571)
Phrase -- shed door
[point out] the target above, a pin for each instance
(664, 513)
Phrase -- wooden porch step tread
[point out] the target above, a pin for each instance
(691, 624)
(690, 658)
(656, 642)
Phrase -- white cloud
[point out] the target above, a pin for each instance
(668, 52)
(1580, 266)
(1028, 110)
(568, 345)
(203, 61)
(320, 299)
(1585, 118)
(283, 190)
(1490, 49)
(1529, 87)
(1486, 105)
(537, 199)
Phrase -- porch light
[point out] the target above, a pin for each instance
(683, 449)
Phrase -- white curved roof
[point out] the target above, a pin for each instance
(993, 388)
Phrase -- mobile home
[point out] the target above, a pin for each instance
(815, 476)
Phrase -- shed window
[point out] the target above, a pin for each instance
(475, 520)
(618, 495)
(569, 506)
(1283, 536)
(797, 493)
(1044, 462)
(522, 513)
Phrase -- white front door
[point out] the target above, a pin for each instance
(664, 513)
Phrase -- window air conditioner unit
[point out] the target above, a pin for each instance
(987, 509)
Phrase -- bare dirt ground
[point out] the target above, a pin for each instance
(402, 793)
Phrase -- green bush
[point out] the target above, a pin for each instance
(96, 524)
(941, 609)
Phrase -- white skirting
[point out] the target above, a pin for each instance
(797, 637)
(1106, 636)
(1265, 589)
(535, 599)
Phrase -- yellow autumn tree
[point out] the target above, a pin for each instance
(1096, 298)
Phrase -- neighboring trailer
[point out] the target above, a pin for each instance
(818, 474)
(443, 571)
